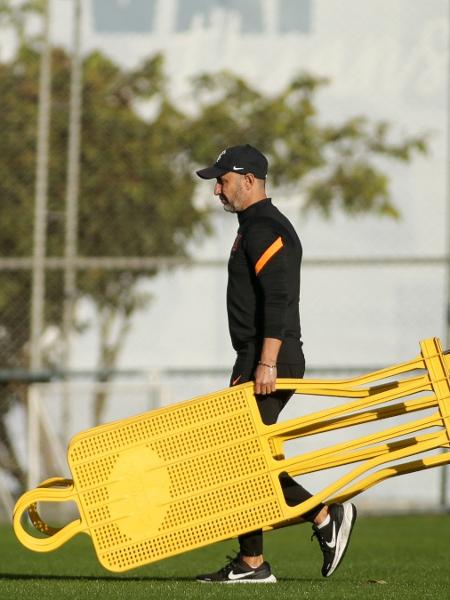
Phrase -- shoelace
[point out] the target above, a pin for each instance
(232, 560)
(320, 538)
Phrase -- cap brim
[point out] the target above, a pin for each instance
(211, 172)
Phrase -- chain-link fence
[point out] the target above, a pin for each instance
(113, 261)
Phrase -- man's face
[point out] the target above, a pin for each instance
(230, 189)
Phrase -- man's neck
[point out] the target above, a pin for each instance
(254, 200)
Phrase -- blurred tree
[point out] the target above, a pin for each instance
(336, 167)
(137, 186)
(15, 15)
(135, 199)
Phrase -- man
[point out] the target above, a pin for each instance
(263, 315)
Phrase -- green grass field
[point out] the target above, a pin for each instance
(402, 557)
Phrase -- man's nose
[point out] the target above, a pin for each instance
(217, 189)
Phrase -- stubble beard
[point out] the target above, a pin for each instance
(229, 208)
(237, 205)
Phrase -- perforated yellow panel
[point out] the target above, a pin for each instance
(171, 480)
(208, 469)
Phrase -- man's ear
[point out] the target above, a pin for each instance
(249, 179)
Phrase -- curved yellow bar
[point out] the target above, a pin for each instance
(48, 491)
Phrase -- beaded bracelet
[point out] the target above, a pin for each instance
(263, 364)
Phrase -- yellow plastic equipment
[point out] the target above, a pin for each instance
(184, 476)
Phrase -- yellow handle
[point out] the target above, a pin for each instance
(305, 385)
(51, 490)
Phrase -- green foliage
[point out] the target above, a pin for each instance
(136, 185)
(335, 167)
(14, 15)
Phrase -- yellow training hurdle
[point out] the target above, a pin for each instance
(170, 480)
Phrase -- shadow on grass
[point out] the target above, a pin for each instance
(44, 577)
(31, 577)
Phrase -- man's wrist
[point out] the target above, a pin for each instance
(270, 365)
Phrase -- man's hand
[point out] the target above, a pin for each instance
(265, 378)
(266, 371)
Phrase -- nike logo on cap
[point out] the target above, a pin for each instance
(233, 576)
(238, 168)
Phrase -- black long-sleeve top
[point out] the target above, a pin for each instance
(264, 280)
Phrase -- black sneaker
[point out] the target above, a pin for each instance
(237, 571)
(334, 537)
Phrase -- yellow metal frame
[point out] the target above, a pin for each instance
(207, 469)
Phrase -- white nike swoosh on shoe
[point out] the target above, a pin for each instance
(238, 168)
(343, 536)
(332, 544)
(233, 576)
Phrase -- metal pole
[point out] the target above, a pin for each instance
(39, 238)
(444, 469)
(41, 190)
(73, 170)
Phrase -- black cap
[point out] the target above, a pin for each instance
(239, 159)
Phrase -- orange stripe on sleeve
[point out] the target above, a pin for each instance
(268, 254)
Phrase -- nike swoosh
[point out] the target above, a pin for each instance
(238, 168)
(234, 382)
(332, 544)
(233, 576)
